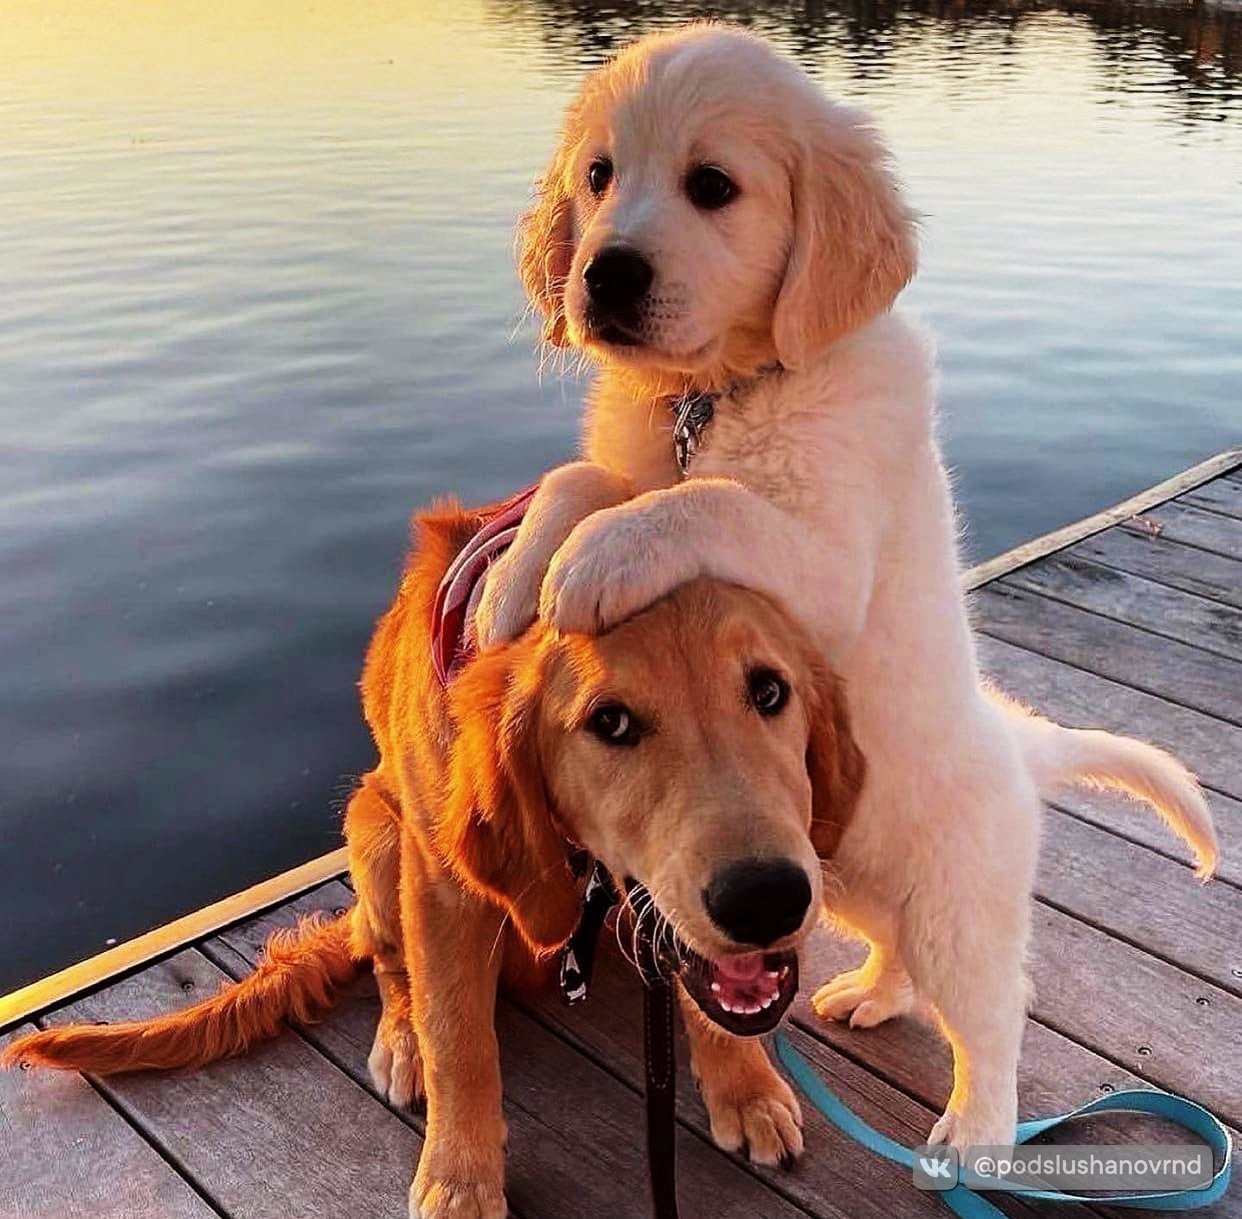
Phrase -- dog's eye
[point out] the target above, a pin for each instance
(599, 175)
(769, 692)
(614, 725)
(710, 188)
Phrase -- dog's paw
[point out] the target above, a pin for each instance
(967, 1129)
(757, 1113)
(436, 1199)
(609, 568)
(509, 602)
(766, 1126)
(396, 1066)
(864, 997)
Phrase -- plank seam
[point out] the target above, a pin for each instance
(1183, 541)
(1114, 565)
(165, 1154)
(1164, 698)
(1233, 517)
(1146, 949)
(1010, 581)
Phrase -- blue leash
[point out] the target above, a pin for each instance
(970, 1205)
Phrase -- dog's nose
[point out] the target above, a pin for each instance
(757, 901)
(617, 277)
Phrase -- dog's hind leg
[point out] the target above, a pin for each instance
(373, 832)
(968, 959)
(749, 1105)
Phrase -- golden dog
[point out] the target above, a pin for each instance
(699, 749)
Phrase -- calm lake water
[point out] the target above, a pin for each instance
(257, 302)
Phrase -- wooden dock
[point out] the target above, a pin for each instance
(1131, 620)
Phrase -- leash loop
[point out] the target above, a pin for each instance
(968, 1204)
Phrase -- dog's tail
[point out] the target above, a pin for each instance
(302, 975)
(1059, 757)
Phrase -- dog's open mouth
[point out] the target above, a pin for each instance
(746, 993)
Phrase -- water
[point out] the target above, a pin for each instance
(257, 302)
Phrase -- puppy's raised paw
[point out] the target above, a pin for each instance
(611, 566)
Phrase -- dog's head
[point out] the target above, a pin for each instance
(709, 210)
(699, 748)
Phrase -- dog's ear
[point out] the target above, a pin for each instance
(545, 240)
(835, 765)
(497, 828)
(854, 246)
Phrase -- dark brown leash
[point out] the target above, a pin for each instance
(659, 1046)
(661, 1087)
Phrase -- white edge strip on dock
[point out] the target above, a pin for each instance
(94, 971)
(1136, 505)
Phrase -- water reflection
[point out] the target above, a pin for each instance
(1196, 47)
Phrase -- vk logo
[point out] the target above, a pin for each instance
(935, 1167)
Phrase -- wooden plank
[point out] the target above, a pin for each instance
(1181, 523)
(47, 992)
(1171, 1028)
(1085, 700)
(69, 1155)
(558, 1169)
(1163, 667)
(1144, 603)
(1166, 561)
(1223, 495)
(280, 1132)
(1213, 467)
(1142, 897)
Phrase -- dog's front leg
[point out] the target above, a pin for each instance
(454, 948)
(567, 495)
(751, 1108)
(373, 832)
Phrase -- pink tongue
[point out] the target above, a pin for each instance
(743, 967)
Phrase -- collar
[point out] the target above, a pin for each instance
(694, 410)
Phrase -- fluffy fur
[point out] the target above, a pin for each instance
(457, 844)
(822, 485)
(300, 978)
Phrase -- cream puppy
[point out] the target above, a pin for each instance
(712, 224)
